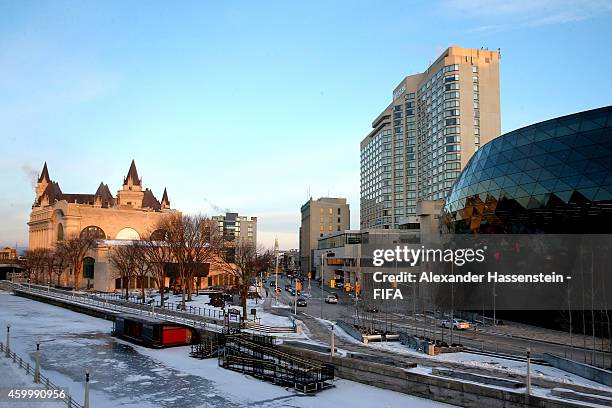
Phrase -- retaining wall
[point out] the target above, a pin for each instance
(446, 390)
(583, 370)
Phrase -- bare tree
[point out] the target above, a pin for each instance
(47, 262)
(75, 248)
(60, 262)
(34, 264)
(142, 266)
(123, 259)
(158, 255)
(244, 261)
(194, 241)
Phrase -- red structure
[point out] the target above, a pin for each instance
(153, 332)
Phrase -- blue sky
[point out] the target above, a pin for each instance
(248, 105)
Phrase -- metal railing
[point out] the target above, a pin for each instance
(195, 316)
(43, 380)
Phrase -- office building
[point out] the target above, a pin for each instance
(420, 142)
(320, 217)
(234, 226)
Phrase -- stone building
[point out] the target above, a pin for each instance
(131, 214)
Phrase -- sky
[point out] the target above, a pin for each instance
(253, 106)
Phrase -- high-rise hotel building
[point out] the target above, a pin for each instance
(422, 140)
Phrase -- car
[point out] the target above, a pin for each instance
(331, 299)
(301, 302)
(291, 291)
(277, 290)
(272, 284)
(372, 310)
(457, 324)
(288, 287)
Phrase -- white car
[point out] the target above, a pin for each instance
(331, 299)
(457, 324)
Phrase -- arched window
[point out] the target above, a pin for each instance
(93, 232)
(158, 235)
(60, 232)
(128, 234)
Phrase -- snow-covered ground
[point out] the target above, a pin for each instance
(126, 375)
(477, 360)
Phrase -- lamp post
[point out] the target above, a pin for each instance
(8, 341)
(86, 402)
(528, 388)
(321, 285)
(276, 272)
(37, 368)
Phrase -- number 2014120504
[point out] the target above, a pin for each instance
(35, 394)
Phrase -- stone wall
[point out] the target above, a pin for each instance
(446, 390)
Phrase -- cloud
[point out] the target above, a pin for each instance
(502, 15)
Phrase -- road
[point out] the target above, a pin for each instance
(489, 339)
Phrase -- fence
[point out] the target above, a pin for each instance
(43, 380)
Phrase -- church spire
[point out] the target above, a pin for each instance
(165, 202)
(133, 175)
(44, 174)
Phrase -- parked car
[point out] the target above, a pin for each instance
(291, 291)
(301, 302)
(331, 299)
(272, 284)
(458, 324)
(288, 287)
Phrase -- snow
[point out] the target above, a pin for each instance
(490, 362)
(126, 375)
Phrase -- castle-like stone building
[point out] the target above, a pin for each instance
(130, 215)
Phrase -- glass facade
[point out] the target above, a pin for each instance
(550, 177)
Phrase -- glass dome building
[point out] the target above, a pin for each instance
(551, 177)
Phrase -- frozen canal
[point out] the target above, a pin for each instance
(126, 375)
